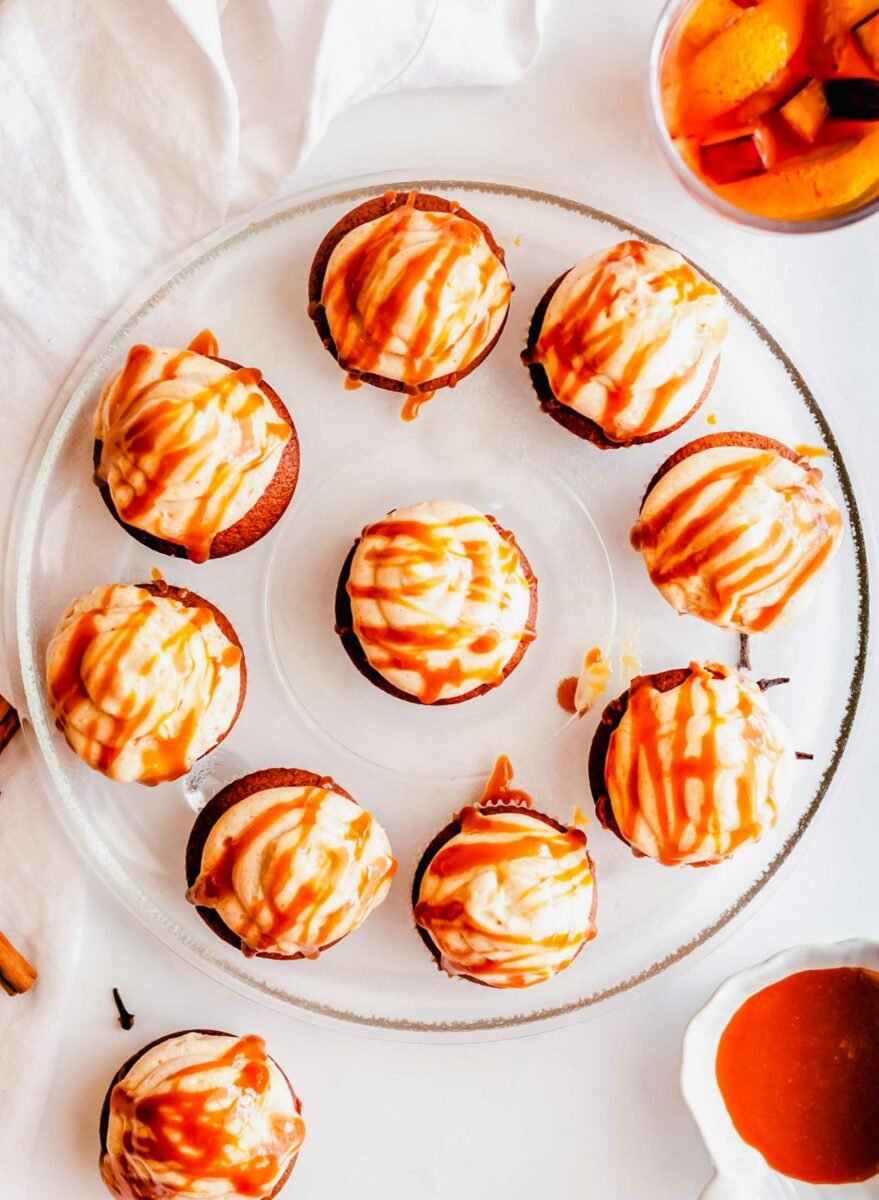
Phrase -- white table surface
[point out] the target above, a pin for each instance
(592, 1110)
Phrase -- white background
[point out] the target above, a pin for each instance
(593, 1110)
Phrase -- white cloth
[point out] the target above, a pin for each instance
(128, 131)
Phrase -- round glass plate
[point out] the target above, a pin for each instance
(571, 507)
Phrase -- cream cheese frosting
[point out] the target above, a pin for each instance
(201, 1116)
(697, 771)
(189, 445)
(440, 600)
(414, 295)
(141, 685)
(739, 536)
(291, 870)
(509, 899)
(630, 337)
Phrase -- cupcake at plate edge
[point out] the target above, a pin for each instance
(505, 896)
(409, 292)
(195, 456)
(144, 679)
(625, 346)
(284, 864)
(737, 529)
(690, 764)
(200, 1113)
(436, 603)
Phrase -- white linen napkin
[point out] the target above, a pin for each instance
(128, 131)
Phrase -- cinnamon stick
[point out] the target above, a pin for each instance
(8, 723)
(16, 973)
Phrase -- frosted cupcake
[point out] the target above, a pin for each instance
(624, 347)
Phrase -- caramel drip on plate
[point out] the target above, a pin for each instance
(700, 542)
(497, 789)
(672, 771)
(196, 1134)
(169, 441)
(566, 692)
(413, 404)
(582, 350)
(805, 451)
(109, 733)
(407, 544)
(311, 908)
(368, 296)
(494, 844)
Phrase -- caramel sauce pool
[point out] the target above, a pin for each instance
(798, 1069)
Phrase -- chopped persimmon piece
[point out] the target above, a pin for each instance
(737, 158)
(867, 37)
(807, 111)
(836, 20)
(744, 57)
(709, 18)
(825, 181)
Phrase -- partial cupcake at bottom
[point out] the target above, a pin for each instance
(436, 603)
(625, 346)
(689, 765)
(283, 863)
(200, 1114)
(144, 679)
(505, 896)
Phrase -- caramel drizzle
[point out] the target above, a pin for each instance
(407, 543)
(797, 545)
(497, 788)
(582, 351)
(143, 426)
(312, 910)
(502, 841)
(671, 770)
(367, 294)
(196, 1134)
(108, 734)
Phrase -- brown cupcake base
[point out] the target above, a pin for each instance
(751, 441)
(575, 422)
(355, 651)
(452, 830)
(663, 681)
(371, 210)
(104, 1124)
(232, 794)
(256, 522)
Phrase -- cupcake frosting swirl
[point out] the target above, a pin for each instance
(201, 1116)
(697, 771)
(291, 870)
(508, 900)
(188, 445)
(738, 535)
(141, 685)
(414, 295)
(630, 337)
(440, 600)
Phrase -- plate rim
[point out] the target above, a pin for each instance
(45, 452)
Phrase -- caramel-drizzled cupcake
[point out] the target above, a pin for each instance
(737, 529)
(195, 456)
(284, 864)
(436, 603)
(688, 765)
(505, 896)
(200, 1114)
(624, 347)
(144, 679)
(409, 293)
